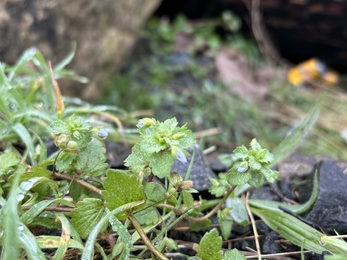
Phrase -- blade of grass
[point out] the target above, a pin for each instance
(31, 247)
(53, 242)
(89, 246)
(26, 138)
(24, 59)
(298, 209)
(295, 230)
(287, 146)
(61, 65)
(64, 239)
(118, 227)
(10, 248)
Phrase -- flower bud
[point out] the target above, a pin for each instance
(175, 179)
(61, 141)
(145, 123)
(71, 147)
(178, 136)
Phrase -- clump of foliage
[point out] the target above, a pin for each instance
(73, 191)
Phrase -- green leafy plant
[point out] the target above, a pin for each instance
(73, 190)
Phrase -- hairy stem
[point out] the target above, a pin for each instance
(58, 209)
(213, 211)
(145, 239)
(81, 182)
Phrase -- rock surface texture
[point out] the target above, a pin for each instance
(104, 31)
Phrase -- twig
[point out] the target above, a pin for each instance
(58, 209)
(81, 182)
(253, 227)
(145, 239)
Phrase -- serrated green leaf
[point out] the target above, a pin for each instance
(210, 246)
(217, 191)
(241, 152)
(65, 161)
(188, 199)
(233, 254)
(59, 127)
(153, 144)
(226, 222)
(155, 192)
(254, 164)
(91, 159)
(147, 216)
(269, 174)
(121, 187)
(235, 178)
(201, 225)
(267, 158)
(169, 124)
(161, 163)
(137, 160)
(8, 159)
(86, 215)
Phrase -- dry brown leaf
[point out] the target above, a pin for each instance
(234, 70)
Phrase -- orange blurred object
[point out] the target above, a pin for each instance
(312, 69)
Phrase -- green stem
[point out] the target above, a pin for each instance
(213, 211)
(145, 239)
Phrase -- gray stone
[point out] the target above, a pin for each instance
(200, 173)
(330, 209)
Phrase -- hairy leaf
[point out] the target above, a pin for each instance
(233, 255)
(91, 159)
(226, 222)
(86, 215)
(121, 187)
(7, 160)
(210, 246)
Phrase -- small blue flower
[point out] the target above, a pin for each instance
(182, 157)
(102, 133)
(140, 124)
(243, 167)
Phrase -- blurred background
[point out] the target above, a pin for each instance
(232, 69)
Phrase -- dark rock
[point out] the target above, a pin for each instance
(330, 209)
(200, 173)
(215, 164)
(265, 192)
(269, 245)
(116, 154)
